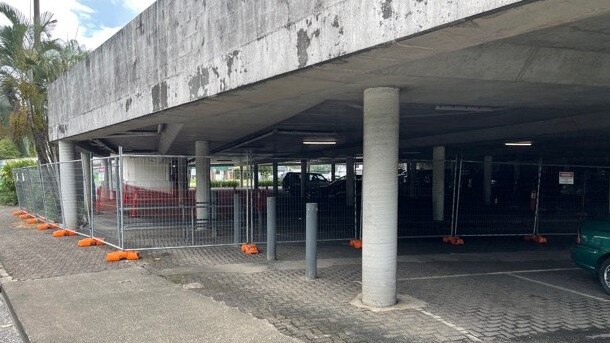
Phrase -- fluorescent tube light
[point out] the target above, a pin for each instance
(522, 143)
(319, 142)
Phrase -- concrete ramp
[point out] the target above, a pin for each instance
(128, 305)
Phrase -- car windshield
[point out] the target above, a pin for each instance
(316, 177)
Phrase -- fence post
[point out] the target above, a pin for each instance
(120, 196)
(311, 238)
(457, 199)
(93, 195)
(236, 217)
(271, 228)
(44, 202)
(536, 213)
(87, 184)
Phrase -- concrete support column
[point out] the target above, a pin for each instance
(85, 158)
(202, 188)
(333, 169)
(303, 178)
(349, 181)
(241, 176)
(67, 172)
(255, 176)
(107, 172)
(411, 179)
(275, 179)
(380, 196)
(438, 183)
(487, 169)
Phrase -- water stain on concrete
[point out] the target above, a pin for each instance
(127, 104)
(386, 9)
(198, 81)
(159, 96)
(303, 42)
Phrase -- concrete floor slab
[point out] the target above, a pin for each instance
(129, 305)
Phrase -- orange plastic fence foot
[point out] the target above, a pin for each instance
(250, 249)
(43, 226)
(453, 240)
(87, 242)
(18, 213)
(122, 255)
(356, 243)
(63, 233)
(25, 216)
(536, 238)
(32, 221)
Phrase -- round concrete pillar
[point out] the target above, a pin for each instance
(349, 181)
(202, 187)
(380, 196)
(67, 177)
(438, 183)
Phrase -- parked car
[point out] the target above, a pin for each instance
(335, 190)
(592, 251)
(292, 182)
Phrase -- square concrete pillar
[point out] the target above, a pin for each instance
(438, 183)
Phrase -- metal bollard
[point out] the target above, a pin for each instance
(311, 239)
(236, 218)
(271, 228)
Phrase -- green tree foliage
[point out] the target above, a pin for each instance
(8, 196)
(30, 60)
(8, 149)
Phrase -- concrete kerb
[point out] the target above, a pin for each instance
(6, 278)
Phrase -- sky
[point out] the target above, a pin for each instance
(91, 22)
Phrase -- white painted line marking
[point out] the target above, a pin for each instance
(490, 273)
(451, 325)
(560, 288)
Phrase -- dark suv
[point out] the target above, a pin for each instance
(292, 182)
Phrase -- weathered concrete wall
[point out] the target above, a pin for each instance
(179, 51)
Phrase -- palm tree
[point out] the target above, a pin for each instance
(30, 60)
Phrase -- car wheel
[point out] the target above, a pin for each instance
(604, 274)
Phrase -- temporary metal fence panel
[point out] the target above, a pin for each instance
(160, 209)
(150, 201)
(338, 207)
(49, 174)
(496, 199)
(19, 177)
(73, 190)
(105, 200)
(569, 195)
(416, 199)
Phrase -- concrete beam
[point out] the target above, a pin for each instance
(299, 34)
(595, 121)
(168, 136)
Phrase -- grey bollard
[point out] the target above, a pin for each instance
(271, 228)
(311, 241)
(236, 218)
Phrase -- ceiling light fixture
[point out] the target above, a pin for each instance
(521, 143)
(462, 108)
(319, 142)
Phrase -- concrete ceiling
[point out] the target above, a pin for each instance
(551, 86)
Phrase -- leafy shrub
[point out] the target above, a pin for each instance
(8, 195)
(225, 183)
